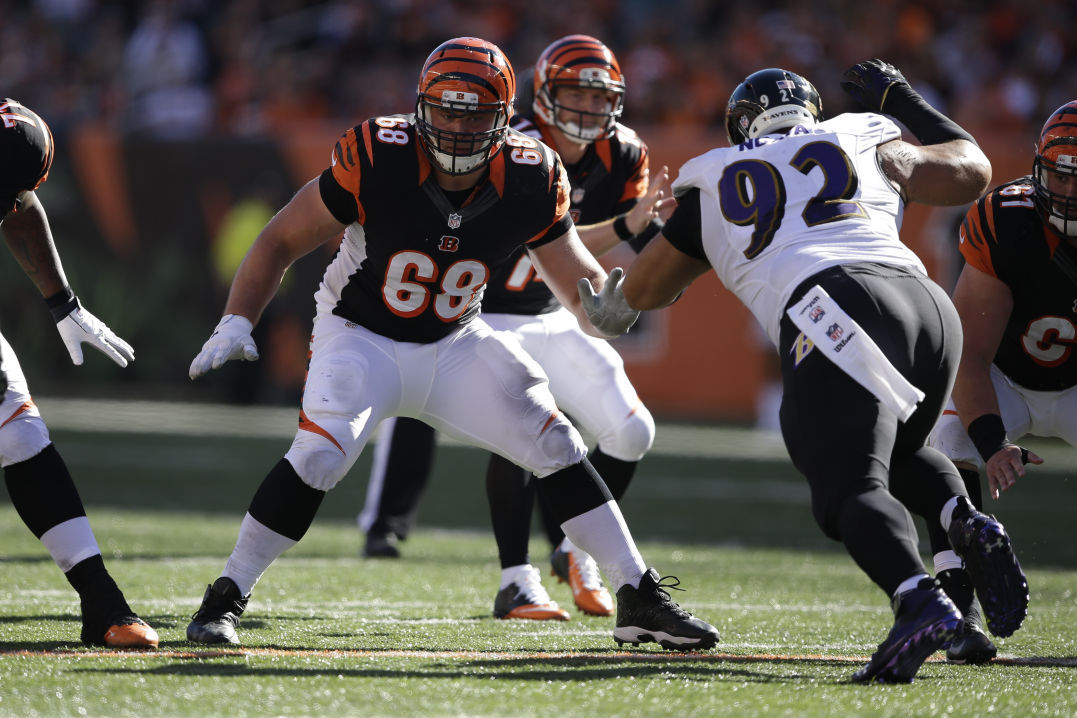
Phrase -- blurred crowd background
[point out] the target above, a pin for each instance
(181, 68)
(176, 81)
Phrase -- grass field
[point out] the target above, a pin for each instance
(330, 634)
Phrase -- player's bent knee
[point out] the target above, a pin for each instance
(558, 446)
(22, 439)
(319, 463)
(632, 438)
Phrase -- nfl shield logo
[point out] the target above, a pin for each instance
(454, 221)
(816, 314)
(834, 332)
(577, 195)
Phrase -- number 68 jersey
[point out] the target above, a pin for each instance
(415, 260)
(779, 208)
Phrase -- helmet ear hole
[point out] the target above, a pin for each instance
(770, 100)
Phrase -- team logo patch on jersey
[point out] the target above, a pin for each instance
(577, 195)
(454, 220)
(449, 243)
(834, 331)
(801, 348)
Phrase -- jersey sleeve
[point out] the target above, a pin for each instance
(637, 162)
(977, 236)
(559, 193)
(684, 228)
(26, 152)
(340, 183)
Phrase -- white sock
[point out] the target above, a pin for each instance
(70, 542)
(567, 546)
(947, 513)
(602, 532)
(910, 583)
(256, 548)
(946, 561)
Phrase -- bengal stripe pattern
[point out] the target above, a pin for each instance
(1060, 129)
(569, 54)
(473, 64)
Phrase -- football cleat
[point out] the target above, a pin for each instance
(648, 614)
(527, 598)
(924, 619)
(981, 541)
(580, 572)
(218, 617)
(124, 630)
(971, 644)
(381, 546)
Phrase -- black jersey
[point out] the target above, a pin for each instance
(607, 181)
(413, 264)
(1004, 236)
(25, 152)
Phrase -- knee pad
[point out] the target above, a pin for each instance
(22, 438)
(949, 437)
(633, 438)
(558, 446)
(317, 461)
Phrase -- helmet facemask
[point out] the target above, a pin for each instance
(1054, 170)
(459, 152)
(466, 93)
(579, 62)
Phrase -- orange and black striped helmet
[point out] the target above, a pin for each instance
(466, 94)
(578, 61)
(1056, 155)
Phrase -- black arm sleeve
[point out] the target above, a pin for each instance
(684, 228)
(339, 201)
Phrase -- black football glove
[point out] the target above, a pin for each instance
(869, 83)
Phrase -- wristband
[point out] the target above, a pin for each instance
(988, 435)
(62, 303)
(649, 232)
(929, 125)
(620, 227)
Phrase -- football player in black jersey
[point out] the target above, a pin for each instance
(578, 100)
(1017, 297)
(800, 219)
(429, 205)
(37, 479)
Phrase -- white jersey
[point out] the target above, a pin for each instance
(777, 209)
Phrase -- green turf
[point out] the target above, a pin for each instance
(330, 634)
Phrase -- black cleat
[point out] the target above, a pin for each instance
(981, 541)
(218, 617)
(971, 644)
(647, 614)
(381, 546)
(924, 619)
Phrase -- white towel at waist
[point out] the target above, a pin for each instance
(845, 343)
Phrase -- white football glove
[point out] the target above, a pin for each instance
(608, 311)
(80, 327)
(231, 339)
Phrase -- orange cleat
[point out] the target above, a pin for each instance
(580, 571)
(526, 598)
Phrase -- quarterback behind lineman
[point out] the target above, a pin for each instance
(578, 99)
(37, 479)
(428, 204)
(799, 218)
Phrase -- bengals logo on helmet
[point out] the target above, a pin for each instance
(1054, 170)
(579, 61)
(465, 99)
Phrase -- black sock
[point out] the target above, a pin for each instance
(42, 491)
(511, 493)
(284, 503)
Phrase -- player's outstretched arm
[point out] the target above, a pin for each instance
(28, 236)
(304, 224)
(948, 167)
